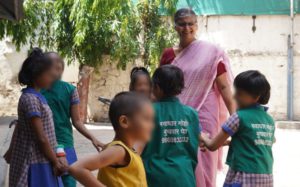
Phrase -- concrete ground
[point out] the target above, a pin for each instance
(286, 152)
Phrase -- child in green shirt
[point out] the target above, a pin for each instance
(252, 131)
(171, 156)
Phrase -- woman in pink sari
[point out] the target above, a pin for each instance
(208, 80)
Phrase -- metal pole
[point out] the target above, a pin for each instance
(290, 68)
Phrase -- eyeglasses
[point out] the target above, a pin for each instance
(184, 24)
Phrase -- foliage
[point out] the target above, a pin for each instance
(85, 30)
(37, 29)
(158, 32)
(93, 28)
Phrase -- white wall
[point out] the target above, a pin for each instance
(264, 50)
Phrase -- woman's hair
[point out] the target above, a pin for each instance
(169, 79)
(34, 65)
(183, 12)
(254, 83)
(125, 103)
(135, 73)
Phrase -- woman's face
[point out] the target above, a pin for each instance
(187, 27)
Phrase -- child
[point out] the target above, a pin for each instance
(63, 100)
(140, 81)
(252, 130)
(171, 156)
(119, 165)
(33, 161)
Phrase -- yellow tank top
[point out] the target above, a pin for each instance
(132, 175)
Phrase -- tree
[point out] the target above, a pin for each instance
(87, 30)
(84, 31)
(158, 32)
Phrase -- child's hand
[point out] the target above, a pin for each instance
(227, 143)
(205, 137)
(98, 145)
(59, 167)
(64, 162)
(202, 147)
(7, 156)
(202, 138)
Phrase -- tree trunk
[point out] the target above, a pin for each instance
(83, 90)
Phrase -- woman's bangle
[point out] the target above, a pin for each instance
(60, 152)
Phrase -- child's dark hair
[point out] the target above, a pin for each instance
(34, 65)
(169, 79)
(125, 103)
(49, 53)
(254, 83)
(135, 72)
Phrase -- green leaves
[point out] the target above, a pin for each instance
(85, 30)
(158, 30)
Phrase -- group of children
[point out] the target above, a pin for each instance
(149, 121)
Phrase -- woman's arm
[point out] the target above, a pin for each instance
(81, 170)
(216, 142)
(225, 89)
(45, 147)
(75, 116)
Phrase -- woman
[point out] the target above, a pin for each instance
(208, 82)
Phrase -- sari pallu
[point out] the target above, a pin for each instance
(199, 62)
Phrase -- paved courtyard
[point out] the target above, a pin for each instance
(286, 152)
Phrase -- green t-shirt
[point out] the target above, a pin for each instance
(250, 149)
(171, 156)
(60, 97)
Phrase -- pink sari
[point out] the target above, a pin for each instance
(199, 63)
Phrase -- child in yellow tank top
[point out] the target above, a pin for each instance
(132, 117)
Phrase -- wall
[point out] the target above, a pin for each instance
(10, 64)
(106, 82)
(264, 50)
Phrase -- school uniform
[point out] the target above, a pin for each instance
(29, 167)
(250, 155)
(170, 158)
(60, 97)
(131, 175)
